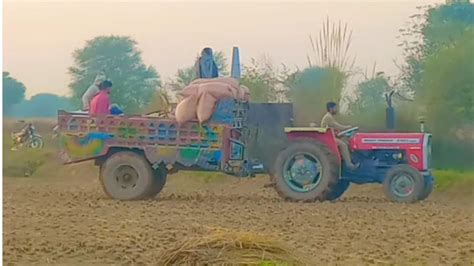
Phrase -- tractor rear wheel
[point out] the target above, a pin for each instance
(127, 175)
(305, 171)
(339, 189)
(404, 184)
(160, 175)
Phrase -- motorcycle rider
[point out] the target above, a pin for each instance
(330, 122)
(18, 138)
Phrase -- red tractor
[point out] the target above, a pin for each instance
(136, 153)
(310, 168)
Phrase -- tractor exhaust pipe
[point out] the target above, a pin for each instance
(389, 112)
(421, 119)
(390, 118)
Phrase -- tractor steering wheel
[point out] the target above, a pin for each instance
(348, 132)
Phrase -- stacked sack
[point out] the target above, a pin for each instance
(201, 96)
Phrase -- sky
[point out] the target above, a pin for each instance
(39, 37)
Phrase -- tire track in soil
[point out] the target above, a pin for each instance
(59, 222)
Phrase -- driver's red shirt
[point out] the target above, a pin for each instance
(100, 104)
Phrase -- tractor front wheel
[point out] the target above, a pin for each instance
(404, 184)
(428, 187)
(306, 171)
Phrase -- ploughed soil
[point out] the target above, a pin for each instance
(64, 218)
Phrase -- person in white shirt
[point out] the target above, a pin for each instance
(92, 91)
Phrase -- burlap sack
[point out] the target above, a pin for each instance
(218, 90)
(228, 80)
(245, 92)
(189, 90)
(237, 93)
(205, 107)
(186, 109)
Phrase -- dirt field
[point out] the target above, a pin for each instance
(67, 220)
(61, 216)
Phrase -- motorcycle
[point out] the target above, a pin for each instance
(27, 137)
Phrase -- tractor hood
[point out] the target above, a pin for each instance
(361, 141)
(417, 146)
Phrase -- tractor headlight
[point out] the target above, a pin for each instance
(397, 156)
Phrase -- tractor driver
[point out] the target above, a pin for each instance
(330, 122)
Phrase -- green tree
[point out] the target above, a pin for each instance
(447, 89)
(370, 95)
(439, 58)
(221, 62)
(432, 29)
(312, 88)
(41, 105)
(182, 79)
(13, 92)
(266, 82)
(447, 94)
(134, 83)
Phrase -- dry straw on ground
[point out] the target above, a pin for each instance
(227, 247)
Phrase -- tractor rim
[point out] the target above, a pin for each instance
(403, 185)
(302, 172)
(126, 177)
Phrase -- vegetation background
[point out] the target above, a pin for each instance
(437, 75)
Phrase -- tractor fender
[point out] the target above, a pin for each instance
(325, 137)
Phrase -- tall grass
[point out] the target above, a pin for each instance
(311, 89)
(331, 47)
(330, 65)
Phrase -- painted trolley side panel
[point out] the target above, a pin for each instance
(84, 138)
(207, 146)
